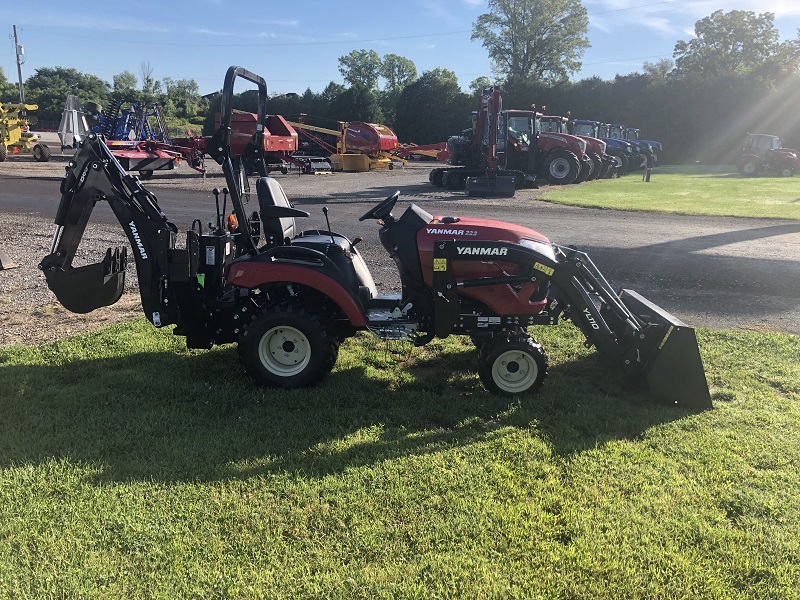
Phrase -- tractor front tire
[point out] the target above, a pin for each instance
(41, 153)
(786, 170)
(435, 177)
(597, 166)
(3, 152)
(562, 167)
(288, 346)
(145, 175)
(512, 364)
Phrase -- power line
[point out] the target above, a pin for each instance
(605, 12)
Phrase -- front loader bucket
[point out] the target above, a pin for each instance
(83, 289)
(672, 367)
(492, 186)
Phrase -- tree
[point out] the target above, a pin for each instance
(357, 103)
(151, 87)
(477, 85)
(738, 42)
(49, 87)
(9, 92)
(659, 71)
(398, 72)
(182, 97)
(538, 39)
(125, 87)
(433, 108)
(361, 67)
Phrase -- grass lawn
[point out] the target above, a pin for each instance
(133, 468)
(691, 190)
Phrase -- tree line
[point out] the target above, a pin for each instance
(734, 76)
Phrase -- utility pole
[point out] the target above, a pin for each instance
(20, 59)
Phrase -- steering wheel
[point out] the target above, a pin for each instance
(383, 210)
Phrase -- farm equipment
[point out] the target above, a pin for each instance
(620, 150)
(763, 152)
(633, 134)
(597, 163)
(15, 134)
(137, 136)
(357, 146)
(522, 151)
(644, 155)
(289, 298)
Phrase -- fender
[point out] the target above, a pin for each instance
(251, 274)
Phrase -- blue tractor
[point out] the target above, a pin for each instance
(643, 149)
(621, 150)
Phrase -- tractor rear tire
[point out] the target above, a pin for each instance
(561, 167)
(288, 346)
(3, 152)
(750, 166)
(511, 364)
(435, 177)
(41, 153)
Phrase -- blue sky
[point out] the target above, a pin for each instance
(296, 46)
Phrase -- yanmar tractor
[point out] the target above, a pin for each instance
(762, 152)
(289, 297)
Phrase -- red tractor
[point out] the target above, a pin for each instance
(289, 297)
(762, 152)
(510, 143)
(597, 164)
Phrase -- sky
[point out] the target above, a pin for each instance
(295, 47)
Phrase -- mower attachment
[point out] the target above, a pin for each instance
(83, 289)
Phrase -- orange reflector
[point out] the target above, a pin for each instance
(231, 223)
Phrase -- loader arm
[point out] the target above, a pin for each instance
(94, 175)
(652, 347)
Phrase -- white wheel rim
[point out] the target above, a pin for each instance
(284, 351)
(515, 371)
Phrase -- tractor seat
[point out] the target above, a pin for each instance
(277, 213)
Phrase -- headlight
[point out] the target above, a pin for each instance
(540, 247)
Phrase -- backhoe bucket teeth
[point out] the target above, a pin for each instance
(492, 186)
(671, 366)
(84, 289)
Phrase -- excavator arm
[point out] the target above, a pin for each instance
(94, 175)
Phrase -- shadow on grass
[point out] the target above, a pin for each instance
(168, 416)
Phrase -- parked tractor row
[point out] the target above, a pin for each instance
(506, 149)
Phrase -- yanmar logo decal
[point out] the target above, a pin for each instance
(482, 251)
(138, 240)
(590, 318)
(465, 232)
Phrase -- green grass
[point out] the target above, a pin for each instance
(133, 468)
(691, 190)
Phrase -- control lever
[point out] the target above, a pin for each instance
(325, 212)
(215, 191)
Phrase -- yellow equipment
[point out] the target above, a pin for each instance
(15, 134)
(359, 146)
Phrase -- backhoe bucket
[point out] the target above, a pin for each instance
(492, 186)
(83, 289)
(673, 369)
